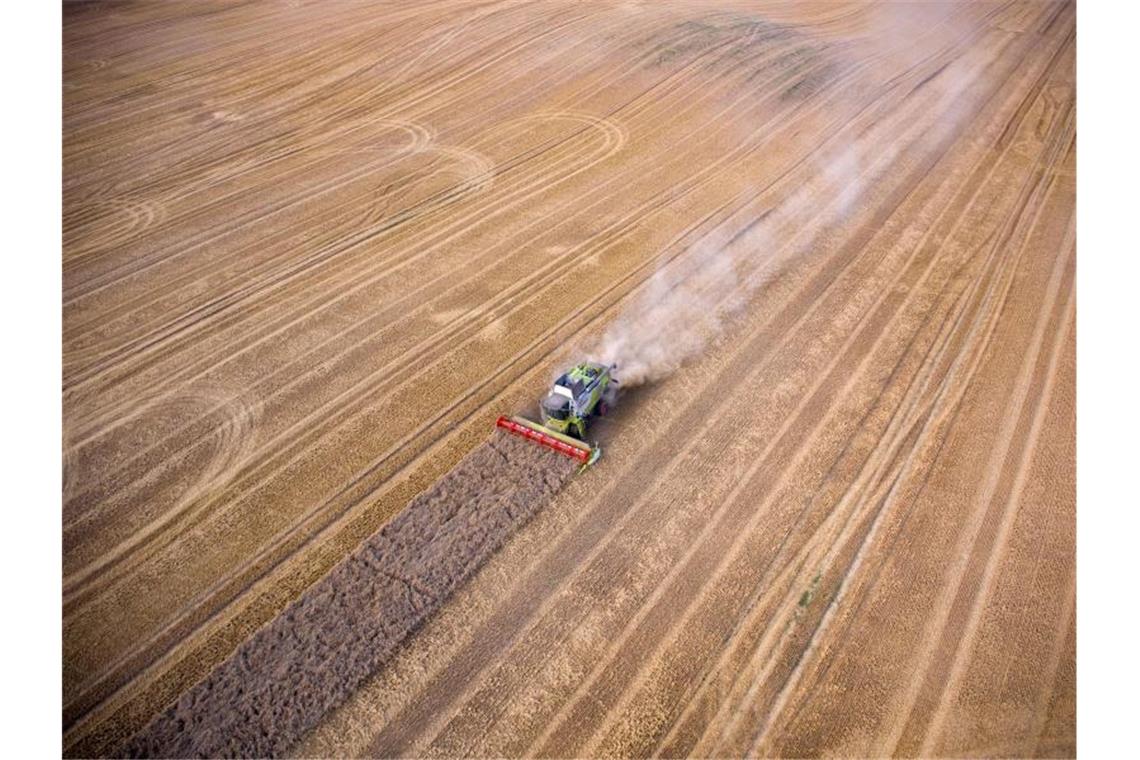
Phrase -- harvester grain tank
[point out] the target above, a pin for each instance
(576, 397)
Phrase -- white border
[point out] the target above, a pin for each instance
(32, 565)
(1108, 289)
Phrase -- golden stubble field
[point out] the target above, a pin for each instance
(312, 250)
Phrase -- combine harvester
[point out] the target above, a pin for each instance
(583, 392)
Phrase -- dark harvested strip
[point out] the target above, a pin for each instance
(307, 660)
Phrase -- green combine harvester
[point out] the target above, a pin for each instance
(583, 392)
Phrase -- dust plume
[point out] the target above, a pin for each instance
(690, 301)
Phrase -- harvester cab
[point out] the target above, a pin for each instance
(578, 394)
(584, 391)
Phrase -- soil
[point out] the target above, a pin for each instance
(312, 251)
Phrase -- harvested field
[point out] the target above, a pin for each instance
(286, 677)
(312, 250)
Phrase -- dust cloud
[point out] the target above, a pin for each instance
(690, 301)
